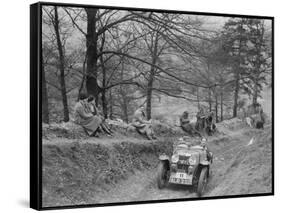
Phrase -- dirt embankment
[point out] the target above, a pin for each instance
(74, 173)
(122, 169)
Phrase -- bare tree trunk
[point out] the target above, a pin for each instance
(236, 92)
(92, 57)
(149, 94)
(198, 99)
(217, 116)
(237, 78)
(104, 103)
(259, 43)
(110, 105)
(103, 91)
(123, 101)
(45, 102)
(210, 100)
(125, 112)
(61, 67)
(221, 104)
(255, 95)
(124, 105)
(154, 55)
(83, 78)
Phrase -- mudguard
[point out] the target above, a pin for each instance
(164, 157)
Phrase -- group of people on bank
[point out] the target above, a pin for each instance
(204, 121)
(87, 115)
(93, 121)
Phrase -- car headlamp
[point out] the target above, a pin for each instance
(192, 160)
(175, 158)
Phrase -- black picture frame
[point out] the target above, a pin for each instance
(36, 104)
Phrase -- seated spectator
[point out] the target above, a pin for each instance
(186, 125)
(83, 116)
(104, 126)
(143, 126)
(184, 119)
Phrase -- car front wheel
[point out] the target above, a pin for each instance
(202, 181)
(162, 175)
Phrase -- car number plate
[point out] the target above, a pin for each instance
(181, 178)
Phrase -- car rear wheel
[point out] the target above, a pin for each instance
(162, 175)
(202, 181)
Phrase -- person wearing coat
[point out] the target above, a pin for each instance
(104, 126)
(186, 125)
(143, 126)
(85, 118)
(184, 121)
(200, 116)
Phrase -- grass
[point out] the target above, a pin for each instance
(74, 172)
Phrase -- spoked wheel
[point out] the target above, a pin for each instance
(202, 181)
(162, 175)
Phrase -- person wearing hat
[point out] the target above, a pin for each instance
(143, 126)
(83, 116)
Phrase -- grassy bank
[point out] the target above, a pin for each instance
(73, 173)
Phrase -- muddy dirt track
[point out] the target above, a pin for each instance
(142, 185)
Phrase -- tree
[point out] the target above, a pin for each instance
(128, 58)
(45, 102)
(236, 38)
(58, 60)
(258, 59)
(91, 52)
(61, 64)
(47, 52)
(107, 19)
(155, 47)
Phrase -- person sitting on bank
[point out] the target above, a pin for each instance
(85, 118)
(104, 126)
(186, 125)
(184, 118)
(143, 126)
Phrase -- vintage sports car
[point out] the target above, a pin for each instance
(188, 165)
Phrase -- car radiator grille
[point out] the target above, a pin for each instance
(182, 167)
(183, 163)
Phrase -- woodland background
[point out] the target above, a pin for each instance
(128, 59)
